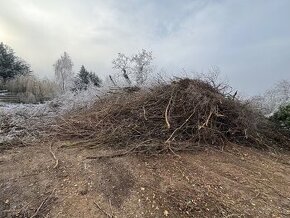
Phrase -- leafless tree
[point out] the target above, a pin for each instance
(141, 66)
(122, 63)
(63, 71)
(273, 98)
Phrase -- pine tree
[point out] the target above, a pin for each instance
(11, 65)
(84, 75)
(94, 79)
(84, 78)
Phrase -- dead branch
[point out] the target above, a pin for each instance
(53, 155)
(144, 113)
(42, 203)
(101, 209)
(166, 111)
(178, 128)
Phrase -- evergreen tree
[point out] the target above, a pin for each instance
(94, 79)
(84, 75)
(282, 116)
(11, 65)
(84, 78)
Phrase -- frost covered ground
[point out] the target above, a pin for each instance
(27, 120)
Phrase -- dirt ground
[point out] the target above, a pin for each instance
(235, 182)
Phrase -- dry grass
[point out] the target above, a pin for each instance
(30, 89)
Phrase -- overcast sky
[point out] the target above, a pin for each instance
(249, 40)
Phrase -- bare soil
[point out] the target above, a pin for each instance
(235, 182)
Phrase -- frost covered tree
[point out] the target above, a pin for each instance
(272, 99)
(83, 75)
(138, 66)
(122, 63)
(141, 66)
(95, 80)
(63, 71)
(84, 78)
(11, 65)
(278, 96)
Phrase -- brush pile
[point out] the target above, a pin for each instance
(178, 116)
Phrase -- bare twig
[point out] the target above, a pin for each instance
(42, 203)
(111, 208)
(144, 113)
(129, 151)
(54, 157)
(101, 209)
(166, 111)
(207, 120)
(172, 134)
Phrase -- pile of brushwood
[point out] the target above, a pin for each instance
(180, 115)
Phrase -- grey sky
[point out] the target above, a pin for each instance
(248, 39)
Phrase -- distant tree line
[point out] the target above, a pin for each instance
(65, 76)
(16, 76)
(134, 70)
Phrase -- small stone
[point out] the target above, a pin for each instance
(83, 190)
(166, 213)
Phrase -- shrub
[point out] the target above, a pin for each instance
(29, 89)
(282, 116)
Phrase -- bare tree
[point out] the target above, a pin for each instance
(273, 98)
(139, 66)
(142, 66)
(122, 62)
(282, 90)
(63, 71)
